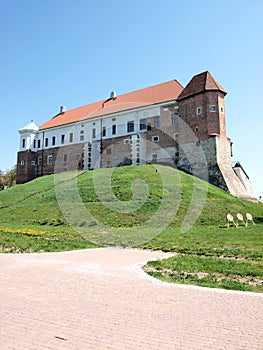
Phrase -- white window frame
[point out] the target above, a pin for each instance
(175, 118)
(212, 108)
(130, 126)
(199, 110)
(155, 138)
(50, 159)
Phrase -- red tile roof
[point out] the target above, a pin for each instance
(199, 83)
(164, 92)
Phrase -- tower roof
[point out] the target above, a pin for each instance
(152, 95)
(200, 83)
(29, 127)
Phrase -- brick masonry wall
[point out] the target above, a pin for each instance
(207, 123)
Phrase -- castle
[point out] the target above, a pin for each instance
(164, 123)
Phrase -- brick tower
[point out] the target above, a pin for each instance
(202, 109)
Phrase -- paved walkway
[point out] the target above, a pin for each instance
(101, 299)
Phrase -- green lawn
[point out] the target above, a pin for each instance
(81, 210)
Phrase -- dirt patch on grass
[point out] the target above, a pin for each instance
(216, 277)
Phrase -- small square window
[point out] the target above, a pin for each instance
(126, 141)
(199, 110)
(212, 108)
(155, 139)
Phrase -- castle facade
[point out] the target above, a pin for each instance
(165, 123)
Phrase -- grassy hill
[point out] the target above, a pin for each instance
(146, 206)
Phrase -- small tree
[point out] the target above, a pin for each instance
(1, 179)
(8, 178)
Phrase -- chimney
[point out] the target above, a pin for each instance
(62, 109)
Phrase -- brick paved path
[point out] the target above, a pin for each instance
(100, 299)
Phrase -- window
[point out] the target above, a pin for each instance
(126, 141)
(65, 158)
(93, 133)
(81, 138)
(34, 144)
(71, 137)
(175, 118)
(199, 110)
(113, 119)
(222, 109)
(22, 162)
(23, 143)
(46, 142)
(143, 125)
(130, 126)
(103, 131)
(49, 160)
(176, 136)
(155, 139)
(39, 161)
(53, 140)
(33, 163)
(62, 139)
(212, 108)
(196, 128)
(154, 157)
(38, 143)
(156, 122)
(113, 129)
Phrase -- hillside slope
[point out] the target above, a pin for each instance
(36, 202)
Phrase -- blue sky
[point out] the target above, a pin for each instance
(74, 52)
